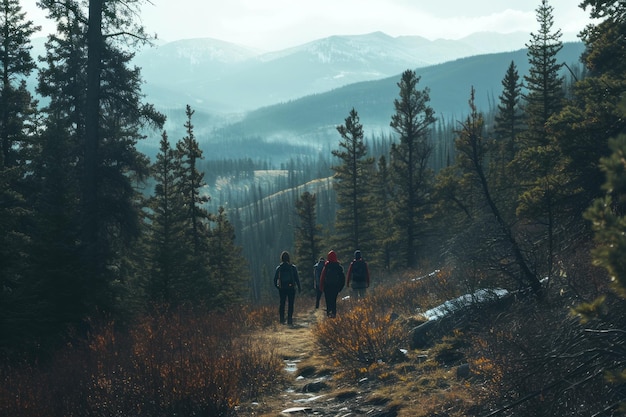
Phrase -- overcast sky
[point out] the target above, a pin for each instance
(276, 24)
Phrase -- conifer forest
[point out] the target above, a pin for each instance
(97, 238)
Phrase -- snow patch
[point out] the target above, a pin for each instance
(463, 301)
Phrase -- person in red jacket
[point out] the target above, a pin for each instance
(332, 282)
(359, 274)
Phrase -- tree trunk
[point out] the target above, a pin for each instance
(92, 122)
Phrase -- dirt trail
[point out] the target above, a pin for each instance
(311, 389)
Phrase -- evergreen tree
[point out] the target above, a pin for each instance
(16, 138)
(539, 162)
(108, 214)
(192, 182)
(16, 155)
(472, 151)
(608, 217)
(412, 121)
(228, 266)
(509, 115)
(544, 84)
(197, 218)
(584, 126)
(508, 125)
(352, 177)
(307, 241)
(167, 249)
(16, 64)
(385, 234)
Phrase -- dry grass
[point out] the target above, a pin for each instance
(165, 364)
(234, 364)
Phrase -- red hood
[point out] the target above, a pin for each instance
(332, 256)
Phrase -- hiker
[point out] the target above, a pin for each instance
(286, 280)
(332, 282)
(359, 274)
(317, 273)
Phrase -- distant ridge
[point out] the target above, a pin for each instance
(221, 77)
(449, 84)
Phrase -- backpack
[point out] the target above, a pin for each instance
(286, 276)
(359, 271)
(335, 276)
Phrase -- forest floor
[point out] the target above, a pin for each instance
(312, 387)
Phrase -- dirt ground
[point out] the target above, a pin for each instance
(311, 389)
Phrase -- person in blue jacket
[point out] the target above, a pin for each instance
(317, 273)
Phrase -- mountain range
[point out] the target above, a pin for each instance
(248, 102)
(309, 120)
(221, 77)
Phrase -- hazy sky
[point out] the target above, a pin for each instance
(276, 24)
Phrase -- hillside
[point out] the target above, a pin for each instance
(309, 122)
(221, 77)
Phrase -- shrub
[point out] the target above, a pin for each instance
(361, 336)
(414, 290)
(170, 363)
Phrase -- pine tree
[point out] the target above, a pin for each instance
(583, 128)
(539, 163)
(229, 273)
(17, 149)
(167, 246)
(352, 224)
(472, 151)
(307, 240)
(508, 125)
(509, 115)
(16, 64)
(544, 84)
(108, 213)
(608, 217)
(385, 234)
(197, 218)
(412, 121)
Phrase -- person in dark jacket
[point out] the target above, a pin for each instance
(317, 273)
(359, 274)
(332, 282)
(286, 280)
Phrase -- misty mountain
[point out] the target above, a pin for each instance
(222, 77)
(311, 121)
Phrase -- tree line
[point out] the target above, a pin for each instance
(80, 238)
(511, 199)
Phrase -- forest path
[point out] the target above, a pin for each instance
(311, 388)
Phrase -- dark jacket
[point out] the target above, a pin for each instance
(317, 272)
(331, 265)
(365, 283)
(294, 275)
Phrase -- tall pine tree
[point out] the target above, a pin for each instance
(229, 273)
(352, 178)
(472, 153)
(103, 158)
(167, 246)
(196, 217)
(412, 121)
(539, 162)
(308, 237)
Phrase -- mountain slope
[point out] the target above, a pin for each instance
(222, 77)
(449, 85)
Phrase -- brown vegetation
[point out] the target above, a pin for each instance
(528, 357)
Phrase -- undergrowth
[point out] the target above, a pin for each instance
(169, 363)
